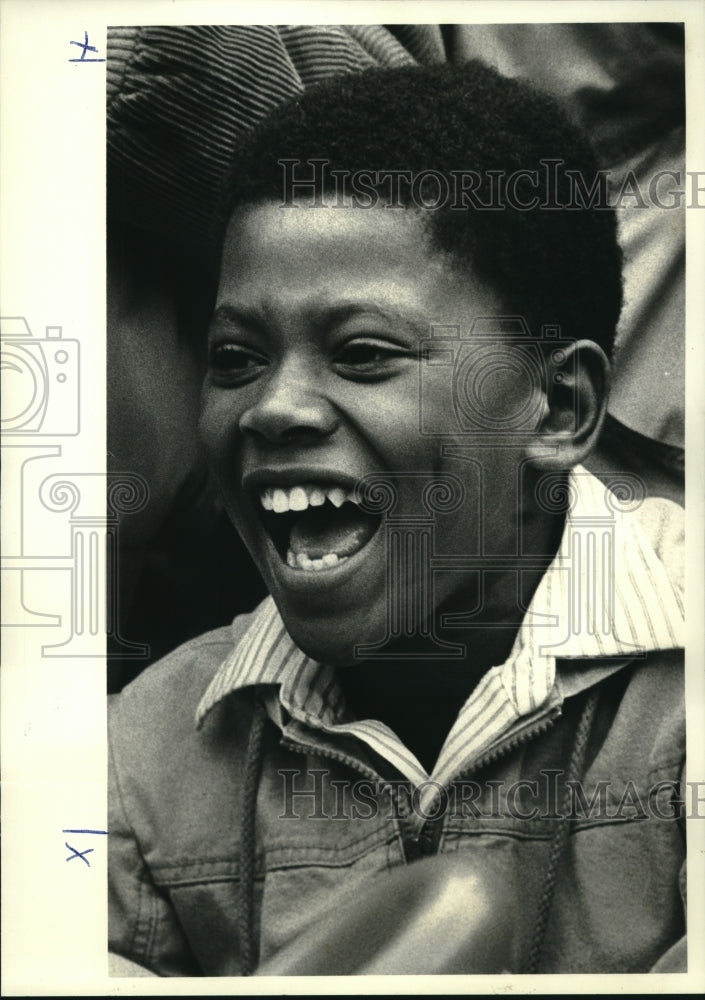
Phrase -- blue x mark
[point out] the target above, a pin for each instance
(78, 854)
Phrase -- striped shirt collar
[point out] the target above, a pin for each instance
(606, 594)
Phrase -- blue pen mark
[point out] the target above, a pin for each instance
(78, 854)
(85, 831)
(89, 850)
(86, 48)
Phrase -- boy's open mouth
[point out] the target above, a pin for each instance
(314, 526)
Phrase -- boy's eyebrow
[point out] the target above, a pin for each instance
(323, 315)
(239, 317)
(338, 314)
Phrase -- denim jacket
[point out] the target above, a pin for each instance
(177, 801)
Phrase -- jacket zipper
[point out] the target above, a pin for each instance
(341, 758)
(538, 729)
(427, 840)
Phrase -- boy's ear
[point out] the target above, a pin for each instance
(576, 403)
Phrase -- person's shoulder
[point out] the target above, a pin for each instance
(167, 693)
(160, 759)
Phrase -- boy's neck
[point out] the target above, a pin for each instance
(419, 699)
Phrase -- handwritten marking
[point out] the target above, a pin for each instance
(89, 850)
(78, 854)
(86, 48)
(85, 831)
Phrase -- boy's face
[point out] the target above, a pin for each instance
(314, 382)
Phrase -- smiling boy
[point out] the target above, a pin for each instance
(403, 383)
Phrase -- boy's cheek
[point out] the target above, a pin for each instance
(217, 429)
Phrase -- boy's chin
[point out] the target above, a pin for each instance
(350, 640)
(330, 620)
(330, 644)
(334, 640)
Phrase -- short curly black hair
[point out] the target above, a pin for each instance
(558, 265)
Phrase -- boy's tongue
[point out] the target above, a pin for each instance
(320, 530)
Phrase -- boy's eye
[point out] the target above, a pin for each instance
(234, 364)
(368, 358)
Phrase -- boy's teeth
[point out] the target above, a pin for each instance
(337, 496)
(280, 502)
(301, 497)
(302, 561)
(297, 499)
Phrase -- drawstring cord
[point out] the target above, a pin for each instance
(560, 837)
(253, 767)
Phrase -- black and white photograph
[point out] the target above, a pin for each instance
(377, 607)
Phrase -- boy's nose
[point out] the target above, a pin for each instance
(290, 407)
